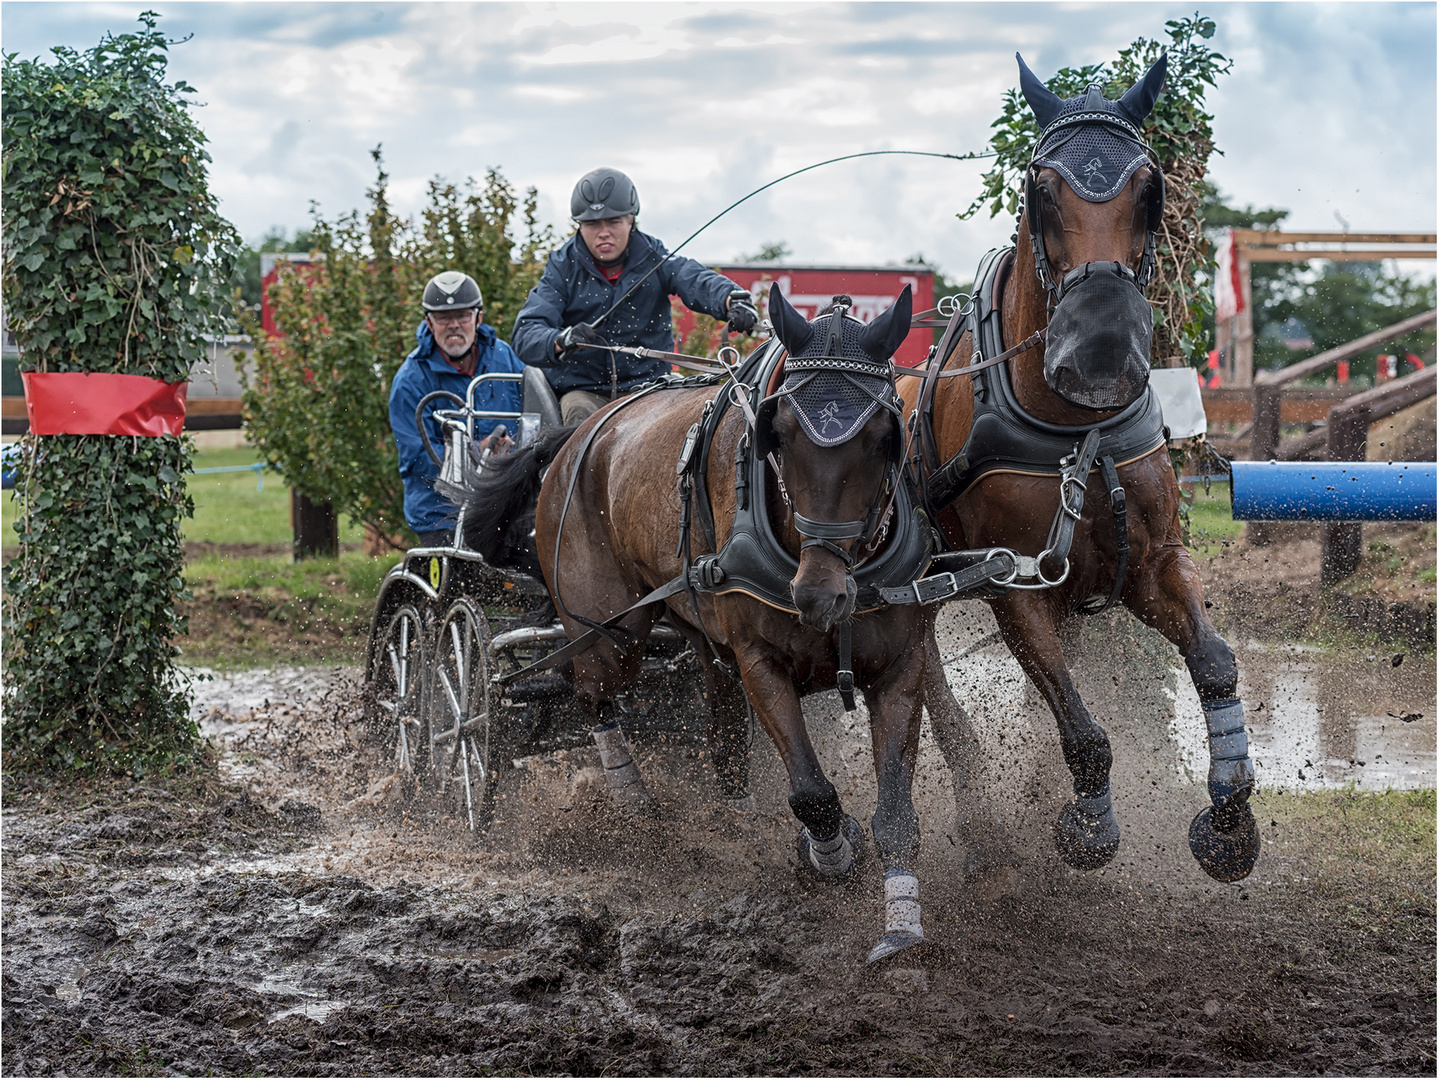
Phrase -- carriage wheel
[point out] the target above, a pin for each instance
(463, 740)
(396, 683)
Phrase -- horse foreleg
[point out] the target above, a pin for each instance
(1086, 832)
(831, 842)
(894, 716)
(1169, 596)
(599, 673)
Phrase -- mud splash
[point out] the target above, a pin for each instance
(292, 917)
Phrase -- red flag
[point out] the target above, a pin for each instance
(76, 403)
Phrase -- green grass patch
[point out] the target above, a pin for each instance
(1211, 520)
(230, 508)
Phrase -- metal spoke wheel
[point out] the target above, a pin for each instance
(463, 742)
(397, 690)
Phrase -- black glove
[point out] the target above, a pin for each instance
(577, 337)
(742, 313)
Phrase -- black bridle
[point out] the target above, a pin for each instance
(868, 530)
(1051, 139)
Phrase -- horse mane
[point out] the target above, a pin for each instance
(499, 500)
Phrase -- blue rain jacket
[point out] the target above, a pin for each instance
(573, 290)
(425, 370)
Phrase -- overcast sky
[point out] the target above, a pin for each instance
(1329, 110)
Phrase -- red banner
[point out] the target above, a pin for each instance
(75, 403)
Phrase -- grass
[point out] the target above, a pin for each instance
(1211, 520)
(255, 611)
(228, 508)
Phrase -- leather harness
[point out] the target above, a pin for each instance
(1005, 438)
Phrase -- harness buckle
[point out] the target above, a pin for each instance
(935, 588)
(1069, 497)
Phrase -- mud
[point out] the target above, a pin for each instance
(283, 912)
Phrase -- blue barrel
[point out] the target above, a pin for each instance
(1334, 490)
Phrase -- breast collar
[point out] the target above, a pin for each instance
(752, 560)
(1004, 437)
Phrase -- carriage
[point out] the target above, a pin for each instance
(446, 622)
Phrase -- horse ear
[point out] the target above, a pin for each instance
(1139, 99)
(886, 332)
(792, 328)
(1043, 102)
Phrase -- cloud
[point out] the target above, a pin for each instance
(1329, 107)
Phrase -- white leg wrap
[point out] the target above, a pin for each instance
(832, 854)
(901, 904)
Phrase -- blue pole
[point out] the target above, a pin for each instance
(1334, 490)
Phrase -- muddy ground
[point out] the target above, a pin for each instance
(282, 911)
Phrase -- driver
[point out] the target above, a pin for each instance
(452, 346)
(588, 274)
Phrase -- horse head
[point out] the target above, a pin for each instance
(835, 430)
(1093, 199)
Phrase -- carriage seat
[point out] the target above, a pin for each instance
(539, 397)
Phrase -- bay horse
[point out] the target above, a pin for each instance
(800, 519)
(1064, 314)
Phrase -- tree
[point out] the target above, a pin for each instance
(1334, 302)
(1179, 131)
(773, 251)
(317, 398)
(116, 260)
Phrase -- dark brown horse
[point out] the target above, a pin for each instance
(810, 456)
(1093, 197)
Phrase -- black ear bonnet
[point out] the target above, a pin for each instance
(838, 372)
(1097, 146)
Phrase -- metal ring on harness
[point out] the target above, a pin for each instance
(1013, 574)
(1044, 582)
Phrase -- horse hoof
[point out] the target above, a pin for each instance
(1228, 854)
(895, 942)
(811, 862)
(1086, 832)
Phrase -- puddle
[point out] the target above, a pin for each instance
(1316, 719)
(311, 1006)
(1323, 727)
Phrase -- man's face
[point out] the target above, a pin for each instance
(608, 237)
(455, 330)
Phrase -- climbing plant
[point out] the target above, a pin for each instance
(317, 397)
(115, 261)
(1179, 130)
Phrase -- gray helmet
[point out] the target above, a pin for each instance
(603, 193)
(451, 290)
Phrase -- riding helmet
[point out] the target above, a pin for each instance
(603, 193)
(451, 290)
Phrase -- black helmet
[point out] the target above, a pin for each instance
(451, 290)
(603, 193)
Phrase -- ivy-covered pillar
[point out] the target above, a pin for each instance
(116, 260)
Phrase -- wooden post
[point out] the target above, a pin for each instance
(316, 528)
(1263, 444)
(1343, 541)
(1241, 342)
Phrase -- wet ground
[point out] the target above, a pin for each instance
(285, 913)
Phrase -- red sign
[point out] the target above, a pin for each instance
(810, 288)
(269, 273)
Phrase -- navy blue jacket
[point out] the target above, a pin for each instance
(573, 290)
(427, 369)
